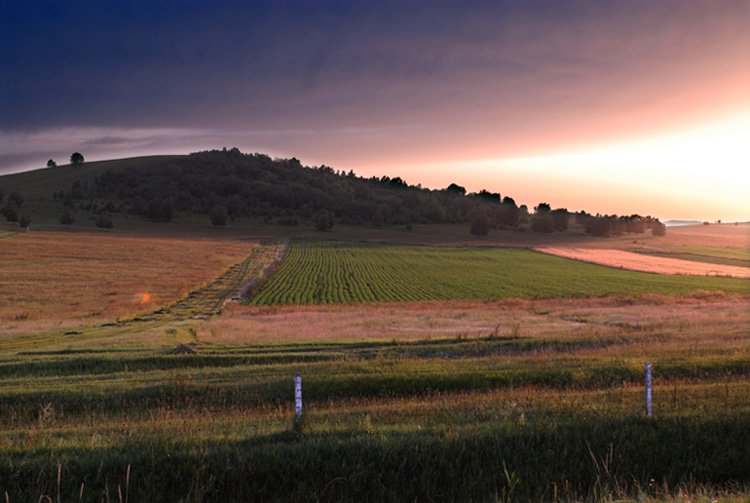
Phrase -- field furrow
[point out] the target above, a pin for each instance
(324, 272)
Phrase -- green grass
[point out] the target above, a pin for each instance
(534, 416)
(707, 254)
(325, 272)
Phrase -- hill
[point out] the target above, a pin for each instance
(228, 184)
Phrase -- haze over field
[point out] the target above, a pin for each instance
(612, 107)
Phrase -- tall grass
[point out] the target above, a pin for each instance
(547, 407)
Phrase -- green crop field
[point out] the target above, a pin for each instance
(326, 272)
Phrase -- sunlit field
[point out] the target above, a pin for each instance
(69, 279)
(493, 399)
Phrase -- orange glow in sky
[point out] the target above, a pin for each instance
(636, 106)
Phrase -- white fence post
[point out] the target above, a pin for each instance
(297, 398)
(648, 389)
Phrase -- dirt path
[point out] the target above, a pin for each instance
(232, 285)
(647, 263)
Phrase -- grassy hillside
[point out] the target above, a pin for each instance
(39, 184)
(37, 187)
(227, 185)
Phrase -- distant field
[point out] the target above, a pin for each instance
(708, 254)
(325, 272)
(655, 262)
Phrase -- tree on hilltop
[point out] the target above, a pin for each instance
(51, 164)
(76, 158)
(542, 208)
(456, 189)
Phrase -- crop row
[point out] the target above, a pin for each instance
(327, 272)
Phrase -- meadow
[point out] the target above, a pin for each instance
(524, 401)
(418, 395)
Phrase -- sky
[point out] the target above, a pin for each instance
(612, 107)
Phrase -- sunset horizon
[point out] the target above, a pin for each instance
(614, 109)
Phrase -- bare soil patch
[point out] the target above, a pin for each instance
(646, 263)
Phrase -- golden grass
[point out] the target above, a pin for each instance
(717, 318)
(50, 279)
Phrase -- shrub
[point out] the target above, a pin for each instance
(160, 210)
(10, 212)
(560, 219)
(542, 222)
(218, 215)
(104, 221)
(480, 226)
(323, 220)
(377, 219)
(16, 198)
(67, 217)
(658, 229)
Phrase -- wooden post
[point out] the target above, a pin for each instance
(648, 389)
(297, 398)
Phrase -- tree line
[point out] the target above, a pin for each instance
(227, 184)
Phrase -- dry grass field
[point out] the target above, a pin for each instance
(64, 279)
(574, 318)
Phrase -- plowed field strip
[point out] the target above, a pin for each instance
(647, 263)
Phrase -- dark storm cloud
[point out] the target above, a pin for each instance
(328, 78)
(166, 63)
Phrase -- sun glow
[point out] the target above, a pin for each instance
(702, 173)
(716, 155)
